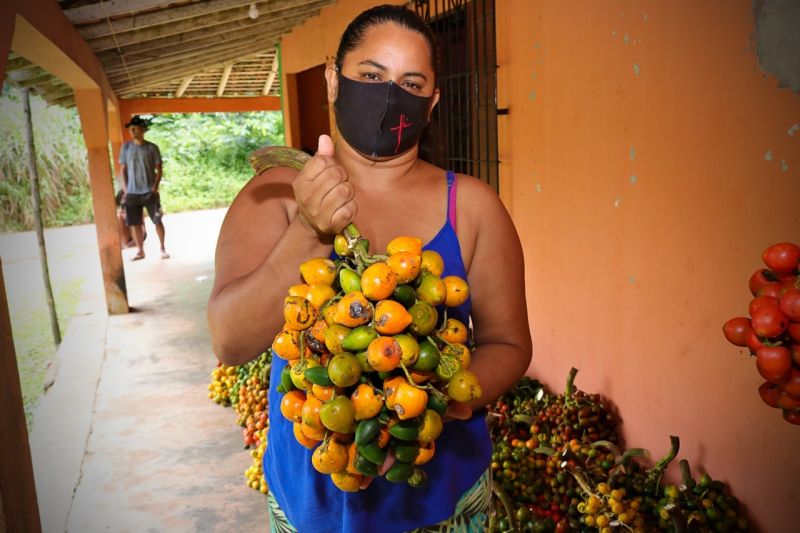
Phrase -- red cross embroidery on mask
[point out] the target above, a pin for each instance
(399, 129)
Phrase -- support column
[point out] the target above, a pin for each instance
(291, 113)
(7, 19)
(19, 508)
(93, 114)
(115, 136)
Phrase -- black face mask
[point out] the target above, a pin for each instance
(379, 119)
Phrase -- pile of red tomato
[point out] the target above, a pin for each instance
(772, 331)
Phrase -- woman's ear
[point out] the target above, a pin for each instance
(332, 79)
(434, 101)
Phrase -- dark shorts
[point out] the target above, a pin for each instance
(134, 205)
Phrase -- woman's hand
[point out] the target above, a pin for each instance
(325, 197)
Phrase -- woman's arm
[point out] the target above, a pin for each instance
(497, 286)
(280, 219)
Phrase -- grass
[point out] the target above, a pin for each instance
(33, 339)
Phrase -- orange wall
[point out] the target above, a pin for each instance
(313, 105)
(643, 201)
(634, 168)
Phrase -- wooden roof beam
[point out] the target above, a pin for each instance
(111, 8)
(223, 81)
(145, 66)
(183, 86)
(273, 72)
(180, 68)
(176, 27)
(237, 27)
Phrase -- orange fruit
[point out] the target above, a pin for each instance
(329, 457)
(292, 405)
(319, 295)
(318, 271)
(322, 393)
(409, 401)
(404, 244)
(431, 426)
(353, 310)
(286, 344)
(420, 376)
(301, 438)
(316, 333)
(378, 281)
(383, 354)
(460, 352)
(367, 402)
(351, 457)
(299, 290)
(453, 331)
(426, 451)
(432, 289)
(328, 311)
(312, 433)
(405, 265)
(432, 262)
(310, 412)
(298, 313)
(383, 437)
(390, 389)
(346, 481)
(457, 291)
(391, 317)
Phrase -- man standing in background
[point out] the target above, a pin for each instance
(141, 175)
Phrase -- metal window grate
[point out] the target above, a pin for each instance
(464, 126)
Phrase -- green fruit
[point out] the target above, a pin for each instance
(423, 318)
(318, 375)
(405, 430)
(438, 403)
(338, 415)
(405, 295)
(359, 338)
(447, 367)
(367, 430)
(344, 369)
(365, 466)
(399, 472)
(429, 356)
(286, 379)
(372, 452)
(406, 452)
(419, 478)
(349, 280)
(363, 362)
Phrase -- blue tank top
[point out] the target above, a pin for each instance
(313, 504)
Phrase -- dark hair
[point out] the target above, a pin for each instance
(354, 33)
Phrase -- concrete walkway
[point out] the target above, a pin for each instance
(126, 439)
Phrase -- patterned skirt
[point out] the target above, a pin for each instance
(471, 516)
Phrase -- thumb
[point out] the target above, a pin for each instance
(325, 146)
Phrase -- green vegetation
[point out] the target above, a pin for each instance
(33, 340)
(61, 160)
(205, 156)
(205, 160)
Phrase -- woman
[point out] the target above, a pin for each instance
(383, 88)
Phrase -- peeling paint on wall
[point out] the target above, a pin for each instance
(634, 179)
(538, 188)
(784, 166)
(636, 69)
(532, 95)
(777, 40)
(633, 153)
(794, 128)
(644, 17)
(617, 201)
(625, 39)
(768, 156)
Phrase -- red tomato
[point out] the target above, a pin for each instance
(770, 289)
(789, 304)
(794, 331)
(788, 402)
(760, 277)
(774, 363)
(792, 416)
(782, 257)
(753, 342)
(757, 302)
(768, 321)
(792, 386)
(794, 349)
(736, 330)
(769, 393)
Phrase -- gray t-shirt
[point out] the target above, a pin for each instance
(141, 161)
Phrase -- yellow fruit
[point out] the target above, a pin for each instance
(318, 271)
